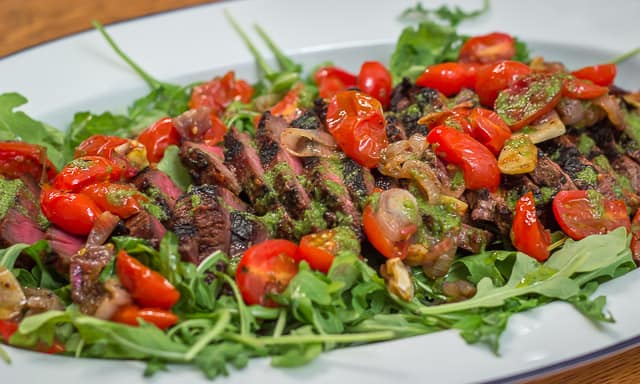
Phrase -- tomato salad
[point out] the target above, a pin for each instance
(298, 215)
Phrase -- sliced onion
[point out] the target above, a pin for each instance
(397, 214)
(611, 106)
(633, 99)
(12, 298)
(442, 256)
(397, 277)
(458, 290)
(546, 128)
(519, 155)
(117, 297)
(308, 142)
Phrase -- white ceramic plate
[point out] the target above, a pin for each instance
(81, 72)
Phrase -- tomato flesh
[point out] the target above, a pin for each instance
(528, 99)
(266, 269)
(584, 213)
(527, 233)
(148, 288)
(158, 137)
(493, 78)
(18, 159)
(218, 93)
(129, 314)
(489, 129)
(488, 48)
(374, 79)
(357, 123)
(602, 74)
(319, 249)
(478, 164)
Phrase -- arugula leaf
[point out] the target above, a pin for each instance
(417, 48)
(523, 54)
(8, 256)
(173, 167)
(163, 100)
(593, 309)
(87, 124)
(453, 16)
(16, 125)
(4, 356)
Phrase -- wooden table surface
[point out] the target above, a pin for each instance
(24, 23)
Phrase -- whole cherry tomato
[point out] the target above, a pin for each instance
(84, 171)
(488, 49)
(129, 314)
(148, 288)
(218, 93)
(479, 166)
(448, 78)
(357, 123)
(331, 80)
(158, 137)
(120, 199)
(582, 89)
(73, 212)
(374, 79)
(602, 74)
(527, 233)
(584, 213)
(493, 78)
(18, 158)
(489, 129)
(265, 269)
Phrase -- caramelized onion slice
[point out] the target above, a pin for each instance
(546, 128)
(12, 298)
(611, 106)
(308, 142)
(397, 214)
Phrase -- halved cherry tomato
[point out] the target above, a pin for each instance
(8, 328)
(528, 99)
(493, 78)
(489, 129)
(130, 155)
(18, 158)
(448, 78)
(73, 212)
(357, 123)
(288, 106)
(376, 236)
(602, 74)
(218, 93)
(147, 287)
(347, 79)
(214, 135)
(100, 145)
(478, 164)
(120, 199)
(84, 171)
(527, 233)
(129, 314)
(582, 89)
(488, 48)
(584, 213)
(158, 137)
(319, 249)
(374, 79)
(265, 269)
(635, 237)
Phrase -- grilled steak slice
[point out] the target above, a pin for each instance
(473, 239)
(159, 187)
(246, 230)
(146, 226)
(490, 210)
(358, 180)
(207, 167)
(201, 222)
(308, 120)
(20, 217)
(549, 174)
(395, 131)
(64, 245)
(84, 272)
(241, 157)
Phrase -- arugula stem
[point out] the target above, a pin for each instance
(326, 338)
(262, 63)
(5, 356)
(166, 355)
(625, 56)
(282, 321)
(286, 64)
(151, 81)
(242, 308)
(79, 348)
(213, 333)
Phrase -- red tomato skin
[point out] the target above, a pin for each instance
(489, 129)
(374, 79)
(148, 288)
(635, 237)
(527, 233)
(73, 212)
(448, 78)
(493, 78)
(158, 137)
(346, 78)
(99, 145)
(574, 213)
(375, 236)
(7, 329)
(129, 315)
(84, 171)
(18, 158)
(478, 164)
(318, 249)
(266, 268)
(120, 199)
(218, 93)
(357, 123)
(486, 49)
(288, 106)
(602, 74)
(215, 135)
(582, 89)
